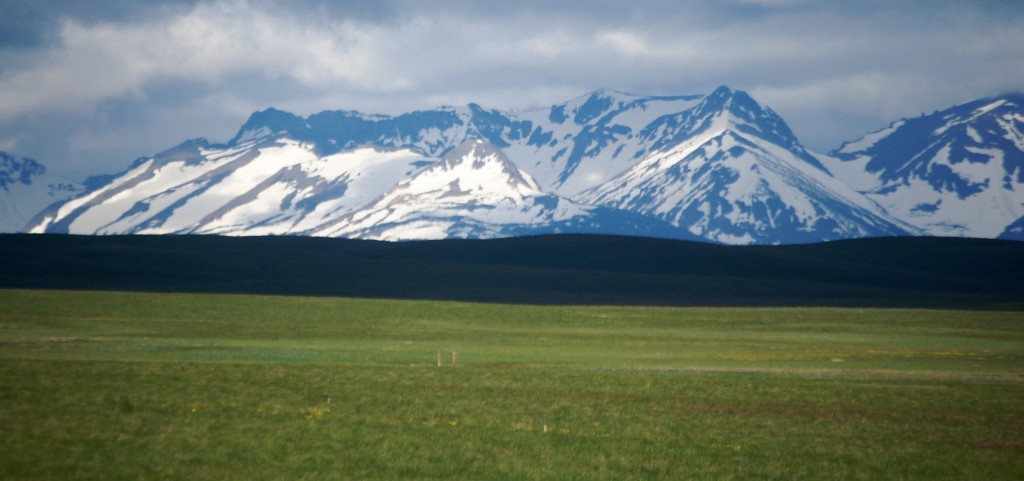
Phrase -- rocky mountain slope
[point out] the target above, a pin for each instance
(26, 187)
(716, 167)
(958, 172)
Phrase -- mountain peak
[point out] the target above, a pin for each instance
(612, 94)
(1009, 99)
(718, 164)
(722, 91)
(959, 171)
(18, 171)
(26, 189)
(752, 118)
(727, 98)
(591, 106)
(479, 154)
(732, 110)
(737, 102)
(268, 122)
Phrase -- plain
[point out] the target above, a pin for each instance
(111, 385)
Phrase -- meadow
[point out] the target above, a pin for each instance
(115, 385)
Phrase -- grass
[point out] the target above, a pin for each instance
(177, 386)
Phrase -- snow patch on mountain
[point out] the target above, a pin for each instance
(718, 167)
(27, 187)
(256, 188)
(958, 172)
(729, 187)
(475, 191)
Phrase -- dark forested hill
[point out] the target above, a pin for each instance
(561, 269)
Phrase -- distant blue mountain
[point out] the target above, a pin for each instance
(959, 171)
(1014, 231)
(18, 171)
(26, 188)
(718, 167)
(957, 134)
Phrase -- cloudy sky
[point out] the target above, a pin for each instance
(86, 87)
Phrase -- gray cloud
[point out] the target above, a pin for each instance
(85, 89)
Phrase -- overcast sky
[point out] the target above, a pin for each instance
(86, 87)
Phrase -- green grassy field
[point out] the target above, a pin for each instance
(177, 386)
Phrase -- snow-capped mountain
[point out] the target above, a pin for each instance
(717, 167)
(1014, 231)
(475, 191)
(261, 186)
(730, 171)
(567, 148)
(26, 187)
(958, 172)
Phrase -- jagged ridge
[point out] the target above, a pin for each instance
(718, 167)
(957, 172)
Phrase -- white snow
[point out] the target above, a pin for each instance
(974, 116)
(250, 135)
(594, 168)
(19, 203)
(988, 108)
(764, 171)
(1012, 125)
(870, 139)
(983, 214)
(974, 135)
(285, 187)
(478, 188)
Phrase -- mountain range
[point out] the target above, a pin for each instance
(25, 188)
(718, 167)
